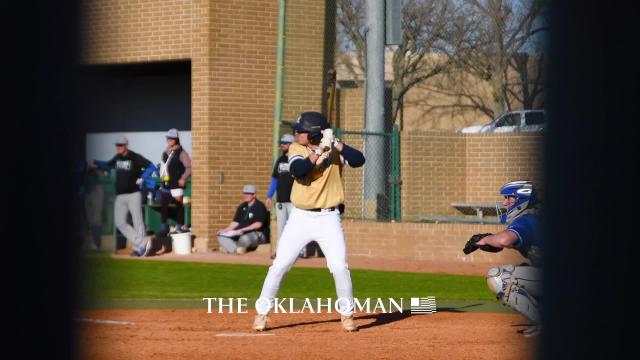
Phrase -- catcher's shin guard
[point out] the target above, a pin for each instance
(519, 299)
(530, 278)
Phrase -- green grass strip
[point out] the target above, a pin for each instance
(127, 283)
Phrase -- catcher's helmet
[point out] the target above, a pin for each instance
(525, 199)
(313, 123)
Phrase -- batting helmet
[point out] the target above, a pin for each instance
(313, 123)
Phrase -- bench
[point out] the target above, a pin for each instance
(478, 209)
(152, 216)
(152, 212)
(457, 220)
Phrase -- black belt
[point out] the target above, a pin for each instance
(322, 209)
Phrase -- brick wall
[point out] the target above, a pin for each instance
(421, 241)
(442, 167)
(350, 109)
(495, 159)
(120, 31)
(243, 92)
(304, 58)
(433, 173)
(232, 49)
(439, 168)
(242, 83)
(203, 176)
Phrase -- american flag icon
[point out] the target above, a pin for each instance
(423, 305)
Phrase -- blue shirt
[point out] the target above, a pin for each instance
(528, 229)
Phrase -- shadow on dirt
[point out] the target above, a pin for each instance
(381, 318)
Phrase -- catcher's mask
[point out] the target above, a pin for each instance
(525, 199)
(313, 123)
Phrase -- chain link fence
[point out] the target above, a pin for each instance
(372, 192)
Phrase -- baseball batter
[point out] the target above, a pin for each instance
(316, 161)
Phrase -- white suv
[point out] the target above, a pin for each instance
(513, 121)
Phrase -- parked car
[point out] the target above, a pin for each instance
(512, 121)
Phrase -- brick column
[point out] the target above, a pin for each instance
(201, 127)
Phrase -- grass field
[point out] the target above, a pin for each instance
(112, 282)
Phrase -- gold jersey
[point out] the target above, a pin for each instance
(322, 187)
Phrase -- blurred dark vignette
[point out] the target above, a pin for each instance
(40, 134)
(590, 161)
(592, 100)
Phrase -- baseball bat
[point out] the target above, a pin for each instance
(331, 94)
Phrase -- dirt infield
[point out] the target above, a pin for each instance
(192, 333)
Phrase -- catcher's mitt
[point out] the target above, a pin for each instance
(471, 246)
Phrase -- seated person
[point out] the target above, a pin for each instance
(246, 230)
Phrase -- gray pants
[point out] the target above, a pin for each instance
(249, 241)
(130, 203)
(93, 204)
(283, 210)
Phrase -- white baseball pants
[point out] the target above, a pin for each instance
(301, 228)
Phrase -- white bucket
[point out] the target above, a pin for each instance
(181, 243)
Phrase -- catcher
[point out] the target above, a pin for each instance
(518, 286)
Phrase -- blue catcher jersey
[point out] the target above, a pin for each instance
(528, 229)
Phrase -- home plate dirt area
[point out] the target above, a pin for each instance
(194, 334)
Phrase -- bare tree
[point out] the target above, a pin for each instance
(351, 40)
(431, 37)
(528, 85)
(482, 54)
(500, 53)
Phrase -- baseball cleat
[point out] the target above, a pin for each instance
(147, 247)
(260, 322)
(347, 323)
(532, 331)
